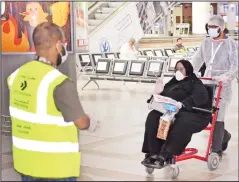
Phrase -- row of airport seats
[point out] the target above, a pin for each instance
(143, 70)
(90, 60)
(166, 52)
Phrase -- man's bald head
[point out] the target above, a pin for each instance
(46, 35)
(48, 40)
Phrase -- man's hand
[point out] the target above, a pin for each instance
(223, 78)
(94, 124)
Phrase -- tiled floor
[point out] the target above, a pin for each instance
(113, 152)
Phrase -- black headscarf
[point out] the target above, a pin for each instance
(188, 67)
(189, 73)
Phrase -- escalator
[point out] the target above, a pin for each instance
(99, 12)
(152, 13)
(113, 23)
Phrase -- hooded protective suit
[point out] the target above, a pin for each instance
(221, 59)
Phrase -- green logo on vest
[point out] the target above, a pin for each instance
(23, 85)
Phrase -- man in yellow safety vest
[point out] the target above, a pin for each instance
(46, 113)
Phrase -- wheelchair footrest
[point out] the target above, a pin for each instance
(208, 128)
(187, 152)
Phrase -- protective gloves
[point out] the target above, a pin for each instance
(94, 124)
(223, 78)
(159, 86)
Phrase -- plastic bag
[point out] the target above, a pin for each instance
(164, 125)
(158, 101)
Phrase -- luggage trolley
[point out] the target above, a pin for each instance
(211, 158)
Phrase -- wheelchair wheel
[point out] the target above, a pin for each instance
(149, 170)
(175, 171)
(213, 161)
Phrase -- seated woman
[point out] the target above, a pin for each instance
(190, 92)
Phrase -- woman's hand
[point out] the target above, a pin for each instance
(159, 86)
(179, 106)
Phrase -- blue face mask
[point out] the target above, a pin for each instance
(213, 32)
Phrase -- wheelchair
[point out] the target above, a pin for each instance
(211, 158)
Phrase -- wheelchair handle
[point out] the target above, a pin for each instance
(202, 110)
(212, 79)
(206, 78)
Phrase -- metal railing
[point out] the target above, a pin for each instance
(116, 12)
(91, 4)
(160, 16)
(94, 8)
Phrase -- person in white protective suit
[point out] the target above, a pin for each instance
(128, 50)
(220, 54)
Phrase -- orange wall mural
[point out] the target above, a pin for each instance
(20, 18)
(10, 41)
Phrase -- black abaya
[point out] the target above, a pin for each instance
(180, 134)
(191, 93)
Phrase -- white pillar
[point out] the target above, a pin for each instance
(200, 16)
(231, 17)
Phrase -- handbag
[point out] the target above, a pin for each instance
(165, 123)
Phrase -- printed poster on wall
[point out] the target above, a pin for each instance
(81, 19)
(18, 20)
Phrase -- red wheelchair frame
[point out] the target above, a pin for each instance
(190, 153)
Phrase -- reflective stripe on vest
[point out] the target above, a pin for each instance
(38, 146)
(12, 77)
(44, 145)
(41, 115)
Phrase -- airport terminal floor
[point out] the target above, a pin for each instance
(114, 151)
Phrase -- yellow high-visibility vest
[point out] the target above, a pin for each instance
(44, 145)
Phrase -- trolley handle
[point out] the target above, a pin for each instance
(206, 78)
(211, 79)
(202, 110)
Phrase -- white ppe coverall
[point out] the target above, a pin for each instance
(128, 53)
(221, 59)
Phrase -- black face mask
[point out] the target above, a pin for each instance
(59, 56)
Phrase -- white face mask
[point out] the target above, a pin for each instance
(213, 32)
(64, 57)
(179, 76)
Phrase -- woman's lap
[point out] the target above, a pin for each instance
(184, 126)
(151, 143)
(190, 122)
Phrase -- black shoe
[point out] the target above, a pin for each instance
(225, 144)
(148, 160)
(161, 160)
(145, 158)
(154, 161)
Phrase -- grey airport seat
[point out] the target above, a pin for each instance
(146, 71)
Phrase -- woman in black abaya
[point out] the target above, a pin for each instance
(190, 92)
